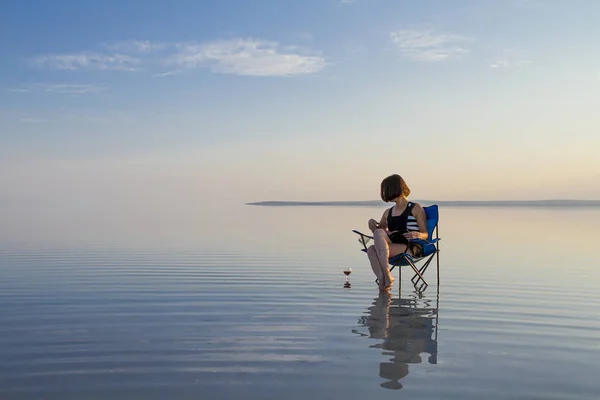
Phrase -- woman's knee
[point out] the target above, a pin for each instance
(380, 234)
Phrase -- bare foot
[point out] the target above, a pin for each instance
(386, 283)
(385, 289)
(390, 281)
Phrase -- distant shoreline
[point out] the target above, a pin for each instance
(441, 203)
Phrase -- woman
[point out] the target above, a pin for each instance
(404, 221)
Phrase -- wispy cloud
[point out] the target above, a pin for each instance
(347, 1)
(88, 61)
(135, 46)
(241, 56)
(61, 88)
(508, 63)
(248, 57)
(168, 73)
(509, 58)
(428, 45)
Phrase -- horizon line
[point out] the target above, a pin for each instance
(447, 203)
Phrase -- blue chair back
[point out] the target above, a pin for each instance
(433, 216)
(432, 219)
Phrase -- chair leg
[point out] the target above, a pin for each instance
(418, 279)
(417, 273)
(437, 258)
(422, 270)
(400, 276)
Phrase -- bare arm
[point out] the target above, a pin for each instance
(419, 213)
(382, 224)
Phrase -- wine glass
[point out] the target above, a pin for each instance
(347, 272)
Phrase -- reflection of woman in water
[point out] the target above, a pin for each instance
(404, 221)
(406, 332)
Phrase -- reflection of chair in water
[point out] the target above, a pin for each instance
(408, 328)
(418, 264)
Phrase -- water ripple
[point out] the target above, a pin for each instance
(122, 323)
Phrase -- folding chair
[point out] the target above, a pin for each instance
(430, 250)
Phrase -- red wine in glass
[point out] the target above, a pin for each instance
(347, 272)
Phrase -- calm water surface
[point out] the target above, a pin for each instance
(249, 303)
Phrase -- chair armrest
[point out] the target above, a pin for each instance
(362, 234)
(433, 241)
(364, 239)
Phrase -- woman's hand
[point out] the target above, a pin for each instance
(413, 235)
(373, 225)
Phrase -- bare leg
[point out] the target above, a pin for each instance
(382, 249)
(374, 260)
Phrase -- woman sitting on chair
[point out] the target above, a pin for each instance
(404, 221)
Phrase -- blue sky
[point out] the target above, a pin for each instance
(299, 99)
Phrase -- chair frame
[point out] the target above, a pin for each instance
(405, 259)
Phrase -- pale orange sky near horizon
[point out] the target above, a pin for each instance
(450, 98)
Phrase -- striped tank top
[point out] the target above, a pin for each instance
(404, 222)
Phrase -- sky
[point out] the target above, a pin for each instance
(234, 101)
